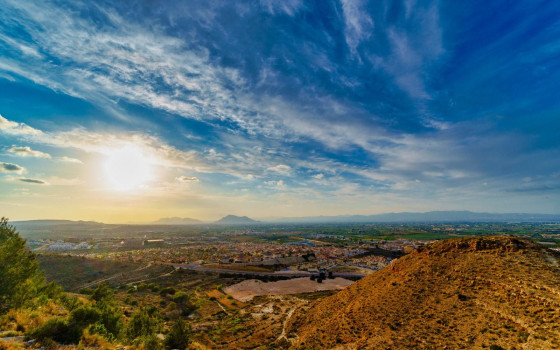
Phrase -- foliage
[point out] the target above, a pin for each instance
(179, 336)
(181, 298)
(19, 276)
(150, 342)
(167, 290)
(85, 315)
(143, 322)
(58, 329)
(112, 322)
(103, 293)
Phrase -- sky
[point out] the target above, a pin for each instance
(130, 111)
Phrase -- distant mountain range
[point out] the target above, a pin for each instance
(431, 216)
(177, 221)
(405, 217)
(54, 224)
(236, 220)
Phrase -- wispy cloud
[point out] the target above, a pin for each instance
(281, 169)
(288, 7)
(70, 160)
(33, 181)
(26, 151)
(358, 23)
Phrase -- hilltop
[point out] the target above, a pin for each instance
(499, 292)
(235, 220)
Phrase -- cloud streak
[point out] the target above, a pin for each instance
(26, 151)
(33, 181)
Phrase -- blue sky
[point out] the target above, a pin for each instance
(278, 108)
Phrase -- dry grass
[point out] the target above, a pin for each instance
(466, 293)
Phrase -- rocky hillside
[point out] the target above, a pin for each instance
(487, 292)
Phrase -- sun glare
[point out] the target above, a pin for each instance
(128, 168)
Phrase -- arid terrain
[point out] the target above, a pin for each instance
(488, 292)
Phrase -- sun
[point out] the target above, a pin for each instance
(128, 168)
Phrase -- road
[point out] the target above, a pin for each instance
(269, 274)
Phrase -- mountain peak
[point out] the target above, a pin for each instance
(236, 220)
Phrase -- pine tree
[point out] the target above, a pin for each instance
(18, 267)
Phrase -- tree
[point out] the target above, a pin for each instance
(18, 268)
(179, 337)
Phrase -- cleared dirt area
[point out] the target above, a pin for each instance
(246, 290)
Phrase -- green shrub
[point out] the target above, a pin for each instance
(151, 342)
(57, 329)
(143, 322)
(179, 336)
(167, 290)
(103, 293)
(70, 303)
(86, 291)
(181, 298)
(83, 316)
(153, 287)
(112, 321)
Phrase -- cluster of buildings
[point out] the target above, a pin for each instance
(59, 245)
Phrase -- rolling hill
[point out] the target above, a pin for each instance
(501, 292)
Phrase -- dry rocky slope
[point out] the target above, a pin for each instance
(498, 292)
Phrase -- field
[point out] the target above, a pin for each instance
(247, 290)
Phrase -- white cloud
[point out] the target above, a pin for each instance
(14, 128)
(26, 151)
(187, 179)
(281, 169)
(70, 160)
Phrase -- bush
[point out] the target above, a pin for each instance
(57, 329)
(167, 290)
(103, 293)
(70, 303)
(143, 322)
(150, 342)
(181, 298)
(112, 321)
(179, 337)
(87, 291)
(83, 316)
